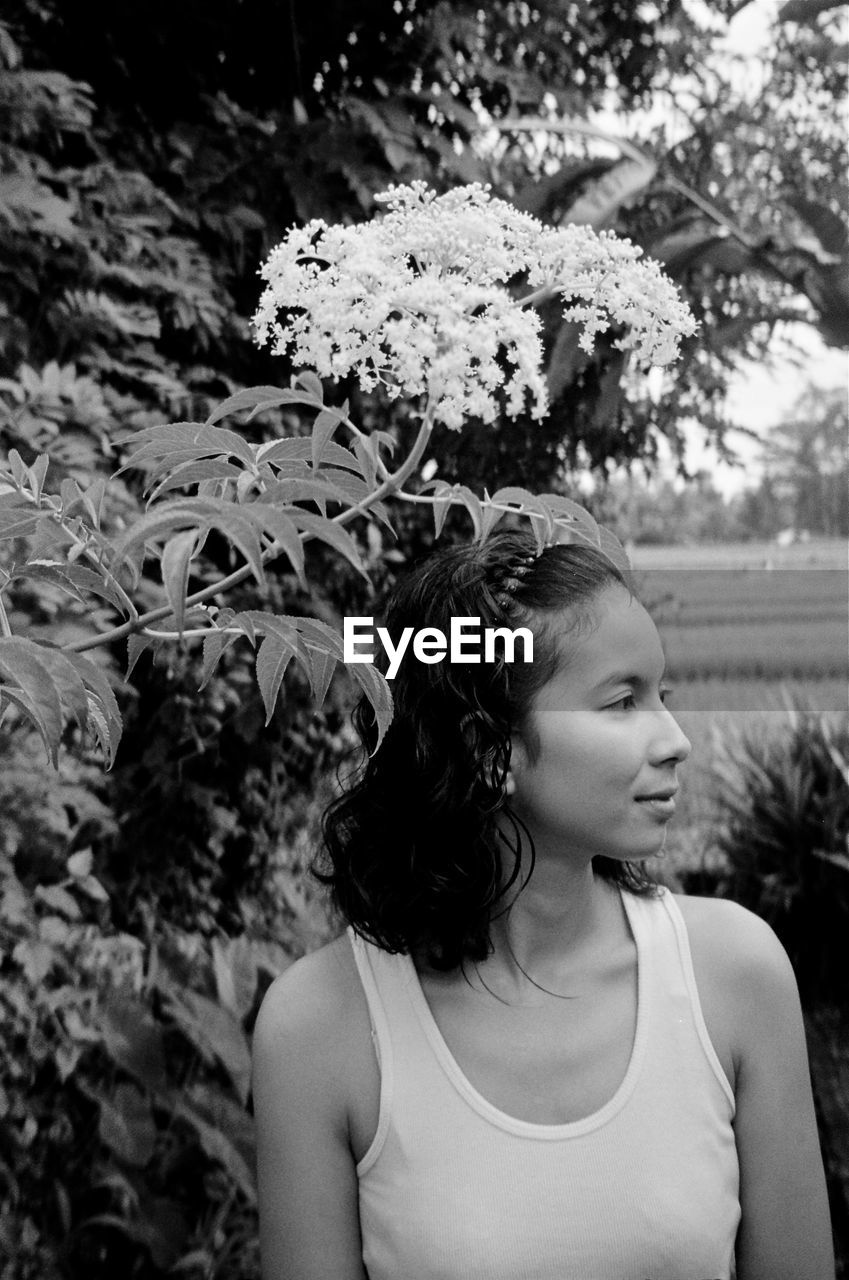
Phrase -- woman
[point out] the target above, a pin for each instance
(523, 1060)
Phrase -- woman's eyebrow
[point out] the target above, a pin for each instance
(625, 678)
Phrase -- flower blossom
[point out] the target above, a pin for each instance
(417, 300)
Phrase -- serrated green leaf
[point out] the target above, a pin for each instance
(490, 518)
(176, 563)
(101, 703)
(560, 508)
(13, 498)
(245, 621)
(50, 540)
(38, 471)
(317, 633)
(333, 534)
(273, 658)
(323, 429)
(441, 507)
(195, 472)
(93, 499)
(613, 549)
(377, 690)
(255, 398)
(15, 523)
(366, 459)
(307, 489)
(20, 471)
(299, 448)
(215, 645)
(24, 703)
(192, 439)
(157, 462)
(67, 682)
(74, 579)
(201, 514)
(27, 680)
(312, 383)
(356, 490)
(320, 671)
(384, 438)
(472, 504)
(56, 574)
(520, 499)
(136, 645)
(516, 496)
(72, 497)
(278, 525)
(274, 624)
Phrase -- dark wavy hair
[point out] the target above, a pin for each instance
(411, 856)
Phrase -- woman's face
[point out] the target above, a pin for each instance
(605, 739)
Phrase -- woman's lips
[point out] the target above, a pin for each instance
(663, 808)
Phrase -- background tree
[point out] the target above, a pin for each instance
(807, 460)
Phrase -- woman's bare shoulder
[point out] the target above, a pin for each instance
(312, 995)
(314, 1028)
(730, 947)
(726, 931)
(306, 1164)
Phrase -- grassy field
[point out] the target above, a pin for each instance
(819, 553)
(740, 639)
(722, 614)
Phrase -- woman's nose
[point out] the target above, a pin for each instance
(672, 742)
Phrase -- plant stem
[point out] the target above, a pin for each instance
(85, 550)
(391, 484)
(5, 628)
(542, 294)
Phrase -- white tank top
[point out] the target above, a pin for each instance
(647, 1188)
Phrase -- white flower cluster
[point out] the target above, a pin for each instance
(417, 299)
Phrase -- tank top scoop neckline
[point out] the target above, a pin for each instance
(646, 1185)
(531, 1128)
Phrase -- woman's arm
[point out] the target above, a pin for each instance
(308, 1209)
(785, 1232)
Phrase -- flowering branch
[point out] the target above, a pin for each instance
(419, 302)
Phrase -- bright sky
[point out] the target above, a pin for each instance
(759, 397)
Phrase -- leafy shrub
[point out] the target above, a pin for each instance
(782, 836)
(126, 1143)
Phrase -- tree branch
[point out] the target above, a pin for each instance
(390, 485)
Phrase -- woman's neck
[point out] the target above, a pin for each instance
(556, 928)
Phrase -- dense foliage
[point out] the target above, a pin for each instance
(783, 836)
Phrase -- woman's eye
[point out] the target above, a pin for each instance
(629, 699)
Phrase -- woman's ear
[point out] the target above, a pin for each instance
(518, 759)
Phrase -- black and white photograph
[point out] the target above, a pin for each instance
(424, 640)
